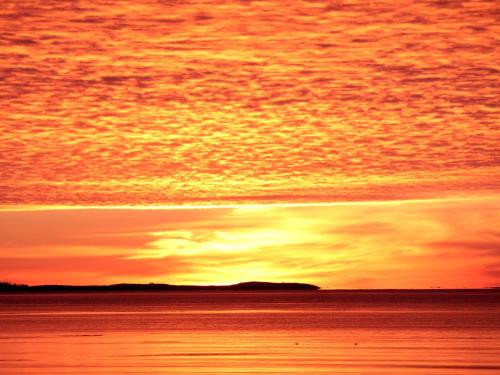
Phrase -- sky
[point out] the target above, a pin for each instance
(350, 144)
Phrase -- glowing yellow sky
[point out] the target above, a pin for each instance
(438, 243)
(265, 103)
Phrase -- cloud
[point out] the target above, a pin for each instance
(217, 105)
(92, 228)
(90, 269)
(485, 247)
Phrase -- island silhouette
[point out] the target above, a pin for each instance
(125, 287)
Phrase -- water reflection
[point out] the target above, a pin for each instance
(326, 336)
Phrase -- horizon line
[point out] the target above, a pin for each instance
(216, 285)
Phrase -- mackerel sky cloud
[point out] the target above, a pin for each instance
(184, 102)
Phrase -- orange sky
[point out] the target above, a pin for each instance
(157, 103)
(446, 243)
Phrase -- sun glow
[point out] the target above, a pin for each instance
(411, 244)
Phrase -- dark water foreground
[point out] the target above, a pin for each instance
(324, 332)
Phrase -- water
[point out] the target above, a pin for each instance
(269, 333)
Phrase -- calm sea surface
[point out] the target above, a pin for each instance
(273, 333)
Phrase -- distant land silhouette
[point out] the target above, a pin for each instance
(246, 286)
